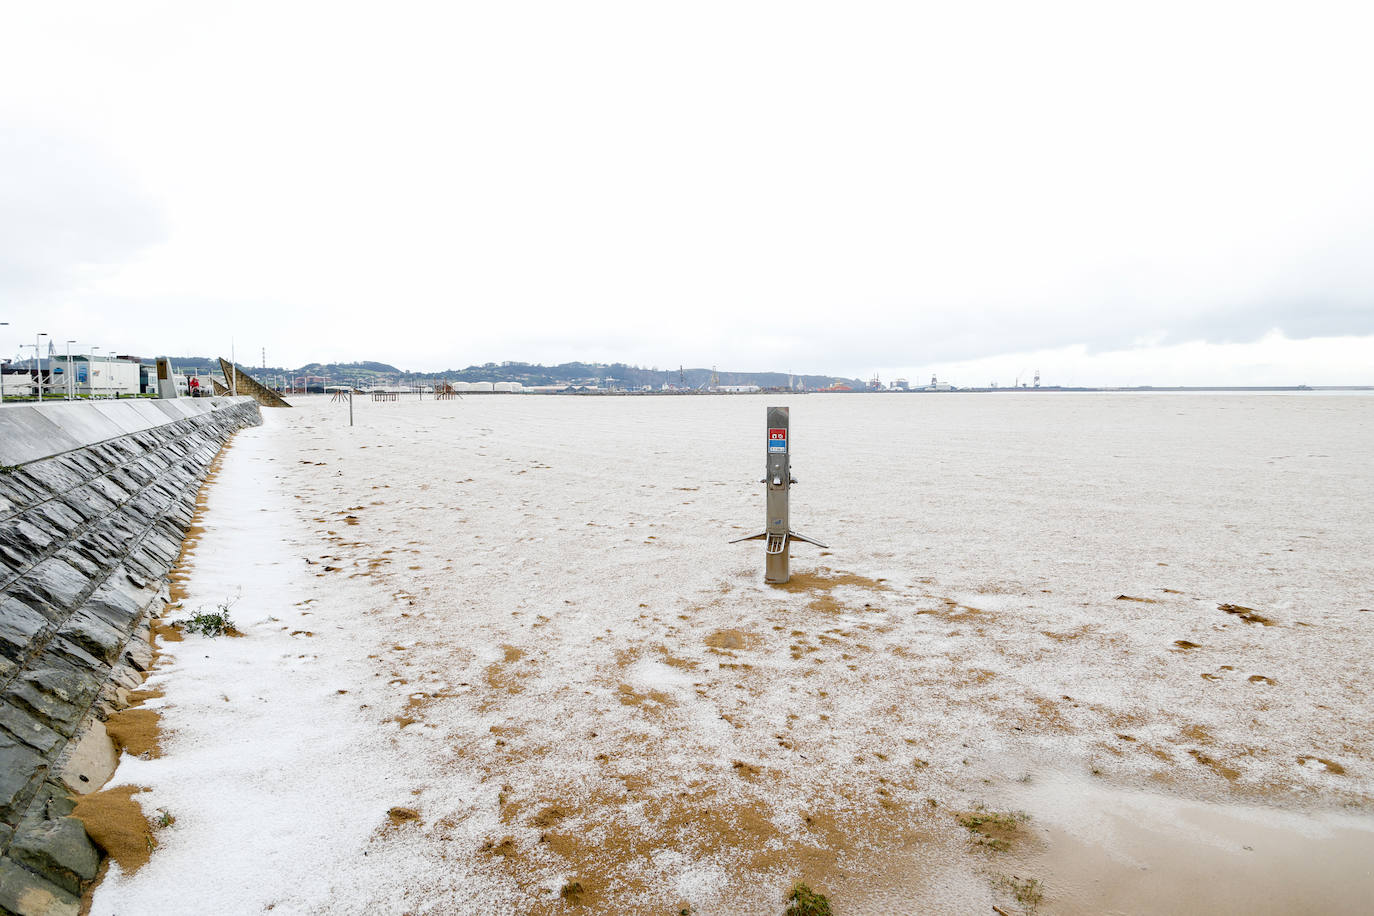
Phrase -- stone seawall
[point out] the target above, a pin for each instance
(95, 499)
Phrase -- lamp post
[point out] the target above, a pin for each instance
(38, 362)
(93, 372)
(3, 324)
(71, 392)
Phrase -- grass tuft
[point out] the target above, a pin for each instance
(1028, 892)
(212, 624)
(803, 901)
(991, 829)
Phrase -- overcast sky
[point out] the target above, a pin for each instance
(1111, 193)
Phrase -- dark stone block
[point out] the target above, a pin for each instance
(57, 696)
(58, 850)
(148, 504)
(60, 802)
(23, 892)
(104, 538)
(145, 468)
(81, 462)
(108, 489)
(115, 608)
(19, 625)
(23, 725)
(81, 561)
(93, 499)
(156, 550)
(20, 591)
(90, 553)
(15, 492)
(17, 558)
(119, 582)
(62, 653)
(121, 528)
(55, 475)
(138, 653)
(126, 481)
(107, 454)
(150, 571)
(25, 536)
(140, 512)
(99, 545)
(57, 582)
(33, 490)
(20, 767)
(163, 491)
(76, 502)
(57, 515)
(94, 635)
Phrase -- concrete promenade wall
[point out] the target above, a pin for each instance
(95, 499)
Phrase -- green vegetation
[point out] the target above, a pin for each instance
(213, 624)
(1028, 892)
(992, 830)
(980, 821)
(803, 901)
(8, 468)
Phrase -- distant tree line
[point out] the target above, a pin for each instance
(612, 375)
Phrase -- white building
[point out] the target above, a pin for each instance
(16, 383)
(80, 375)
(98, 376)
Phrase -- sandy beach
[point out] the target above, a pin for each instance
(1064, 654)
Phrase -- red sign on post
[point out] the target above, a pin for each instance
(777, 439)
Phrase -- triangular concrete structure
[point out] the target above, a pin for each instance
(247, 385)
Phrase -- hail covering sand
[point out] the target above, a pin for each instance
(519, 617)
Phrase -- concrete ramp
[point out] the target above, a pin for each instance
(235, 377)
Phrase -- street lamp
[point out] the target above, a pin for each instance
(71, 392)
(90, 364)
(38, 362)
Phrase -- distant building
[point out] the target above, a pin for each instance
(937, 385)
(80, 374)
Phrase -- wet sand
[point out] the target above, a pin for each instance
(1103, 850)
